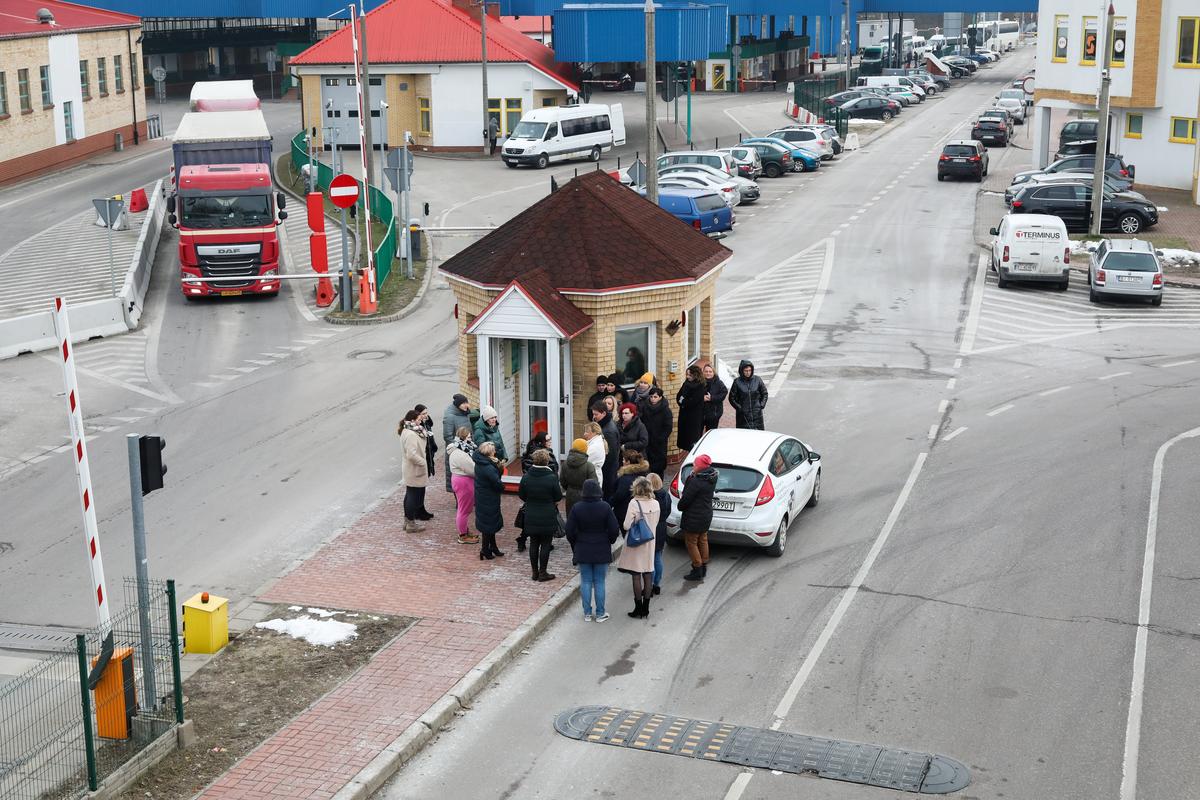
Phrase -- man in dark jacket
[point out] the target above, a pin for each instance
(612, 437)
(457, 415)
(633, 432)
(714, 398)
(748, 396)
(601, 390)
(656, 415)
(695, 514)
(592, 529)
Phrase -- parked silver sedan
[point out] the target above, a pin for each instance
(747, 189)
(1125, 267)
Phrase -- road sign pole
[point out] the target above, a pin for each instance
(112, 272)
(347, 286)
(141, 569)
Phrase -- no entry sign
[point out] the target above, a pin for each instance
(343, 191)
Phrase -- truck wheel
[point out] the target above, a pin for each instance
(543, 161)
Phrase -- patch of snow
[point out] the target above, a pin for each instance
(322, 613)
(295, 608)
(868, 122)
(1162, 208)
(323, 632)
(1173, 257)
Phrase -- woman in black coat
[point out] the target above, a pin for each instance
(591, 529)
(540, 491)
(659, 421)
(691, 409)
(714, 398)
(488, 490)
(633, 432)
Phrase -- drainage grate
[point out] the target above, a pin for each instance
(761, 748)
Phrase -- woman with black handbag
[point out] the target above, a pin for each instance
(637, 557)
(541, 492)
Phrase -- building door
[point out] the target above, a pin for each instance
(506, 359)
(535, 396)
(339, 107)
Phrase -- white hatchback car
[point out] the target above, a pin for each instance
(1128, 267)
(765, 480)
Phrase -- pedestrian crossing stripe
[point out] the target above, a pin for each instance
(762, 748)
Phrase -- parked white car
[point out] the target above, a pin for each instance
(747, 188)
(806, 139)
(1013, 101)
(698, 180)
(765, 480)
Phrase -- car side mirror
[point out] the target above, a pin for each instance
(813, 456)
(282, 216)
(173, 220)
(281, 201)
(1158, 253)
(171, 204)
(994, 231)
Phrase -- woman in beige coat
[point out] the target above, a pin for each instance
(415, 470)
(639, 561)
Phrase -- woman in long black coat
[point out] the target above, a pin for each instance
(488, 490)
(714, 404)
(691, 409)
(659, 421)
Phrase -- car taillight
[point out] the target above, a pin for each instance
(1004, 257)
(974, 158)
(767, 493)
(1124, 173)
(944, 158)
(1101, 277)
(1158, 280)
(1067, 255)
(696, 224)
(675, 485)
(1017, 204)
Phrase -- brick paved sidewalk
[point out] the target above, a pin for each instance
(466, 608)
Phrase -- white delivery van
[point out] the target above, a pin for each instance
(1032, 247)
(892, 81)
(559, 133)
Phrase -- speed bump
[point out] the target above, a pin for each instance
(761, 748)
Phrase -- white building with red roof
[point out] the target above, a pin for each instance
(425, 62)
(70, 84)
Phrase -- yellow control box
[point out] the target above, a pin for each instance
(205, 623)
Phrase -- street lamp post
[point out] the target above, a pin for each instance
(483, 53)
(651, 112)
(1102, 128)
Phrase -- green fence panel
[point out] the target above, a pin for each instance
(381, 208)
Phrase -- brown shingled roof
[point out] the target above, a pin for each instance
(592, 235)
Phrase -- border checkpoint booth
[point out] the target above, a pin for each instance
(591, 280)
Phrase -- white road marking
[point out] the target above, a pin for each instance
(953, 433)
(933, 431)
(259, 363)
(810, 319)
(998, 411)
(968, 342)
(942, 406)
(848, 595)
(1113, 375)
(244, 370)
(1133, 725)
(225, 377)
(739, 785)
(957, 363)
(1178, 363)
(1056, 390)
(951, 383)
(835, 233)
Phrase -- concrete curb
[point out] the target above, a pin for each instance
(420, 733)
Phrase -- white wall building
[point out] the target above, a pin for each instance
(1155, 90)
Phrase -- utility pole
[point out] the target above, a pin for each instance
(365, 82)
(651, 112)
(483, 64)
(1102, 127)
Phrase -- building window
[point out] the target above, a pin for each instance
(1090, 41)
(1061, 37)
(634, 354)
(1183, 130)
(1133, 126)
(512, 113)
(352, 81)
(47, 95)
(495, 114)
(1117, 54)
(85, 86)
(69, 119)
(1187, 43)
(332, 82)
(102, 77)
(426, 112)
(376, 82)
(3, 95)
(693, 335)
(23, 90)
(547, 102)
(118, 78)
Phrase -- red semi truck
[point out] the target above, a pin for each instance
(224, 205)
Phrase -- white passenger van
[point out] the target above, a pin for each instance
(892, 81)
(559, 133)
(1032, 247)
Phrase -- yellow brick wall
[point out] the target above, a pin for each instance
(310, 108)
(106, 113)
(402, 108)
(22, 134)
(559, 96)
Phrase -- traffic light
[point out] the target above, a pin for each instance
(150, 454)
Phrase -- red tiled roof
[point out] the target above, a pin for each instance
(592, 235)
(18, 18)
(435, 32)
(528, 25)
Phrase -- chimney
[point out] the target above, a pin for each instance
(44, 17)
(472, 8)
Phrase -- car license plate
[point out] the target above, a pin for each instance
(231, 293)
(723, 505)
(960, 161)
(1025, 267)
(1128, 278)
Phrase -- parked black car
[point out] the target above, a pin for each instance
(1078, 130)
(1124, 212)
(871, 108)
(1115, 167)
(990, 131)
(841, 98)
(963, 159)
(1110, 186)
(1001, 115)
(776, 159)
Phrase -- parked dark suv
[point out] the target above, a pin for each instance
(963, 158)
(990, 131)
(1078, 130)
(1115, 167)
(1125, 212)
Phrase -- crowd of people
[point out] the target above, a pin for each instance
(609, 486)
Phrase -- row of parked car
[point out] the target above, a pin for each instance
(702, 187)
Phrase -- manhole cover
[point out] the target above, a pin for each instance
(437, 372)
(887, 767)
(369, 355)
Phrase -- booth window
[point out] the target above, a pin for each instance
(634, 352)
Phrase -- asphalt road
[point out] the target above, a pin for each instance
(998, 502)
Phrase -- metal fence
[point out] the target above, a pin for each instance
(381, 208)
(810, 94)
(59, 738)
